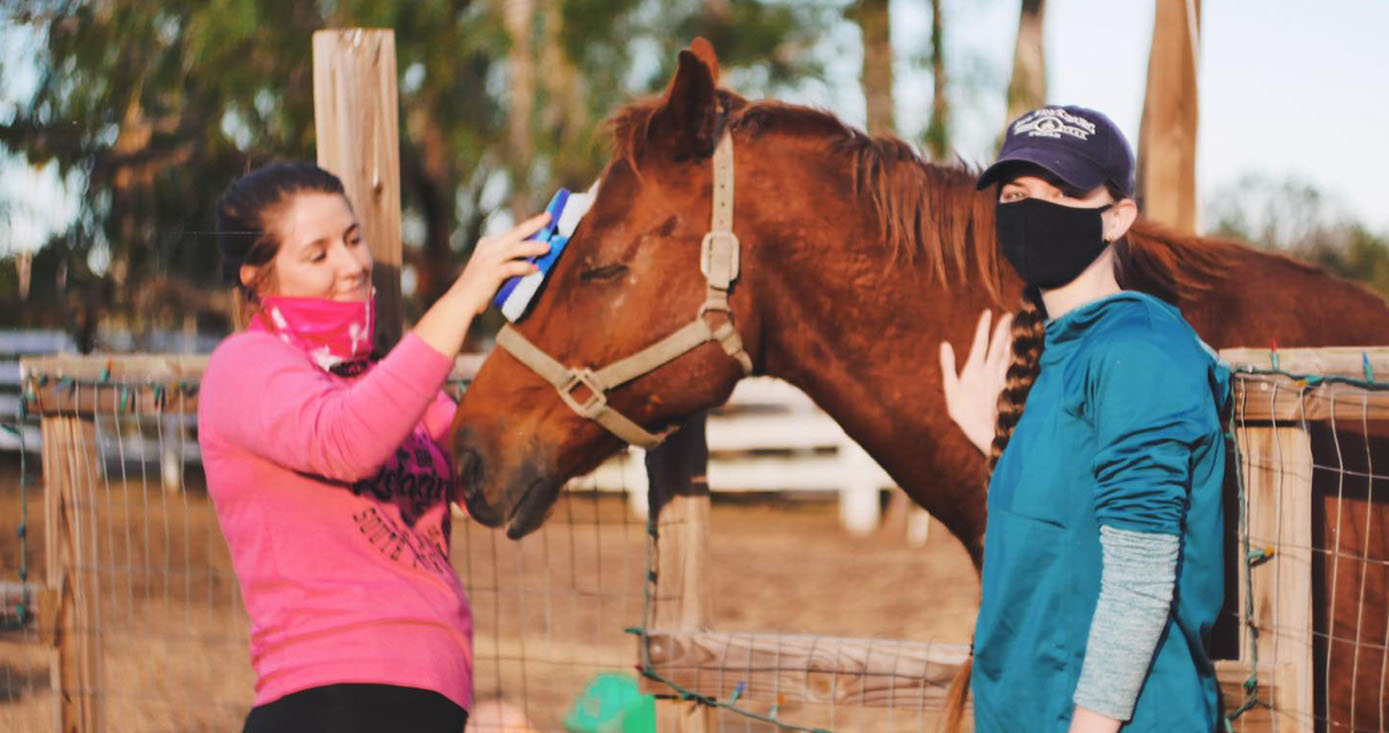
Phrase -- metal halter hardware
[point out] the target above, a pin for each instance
(597, 401)
(719, 262)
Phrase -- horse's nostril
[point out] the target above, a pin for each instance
(469, 471)
(469, 477)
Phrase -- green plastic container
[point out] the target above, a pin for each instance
(612, 703)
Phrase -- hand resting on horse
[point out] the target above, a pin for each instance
(494, 259)
(971, 396)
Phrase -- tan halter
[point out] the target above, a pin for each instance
(718, 260)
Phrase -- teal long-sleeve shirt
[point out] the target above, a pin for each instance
(1121, 429)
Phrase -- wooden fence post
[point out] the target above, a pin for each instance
(1167, 135)
(70, 470)
(1278, 483)
(357, 124)
(679, 502)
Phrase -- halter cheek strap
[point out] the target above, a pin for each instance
(718, 261)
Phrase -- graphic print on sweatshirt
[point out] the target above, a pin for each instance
(415, 481)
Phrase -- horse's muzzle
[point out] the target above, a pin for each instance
(525, 496)
(533, 506)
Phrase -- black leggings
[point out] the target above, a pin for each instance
(358, 708)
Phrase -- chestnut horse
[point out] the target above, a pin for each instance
(857, 260)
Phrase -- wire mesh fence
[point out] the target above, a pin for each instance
(142, 626)
(1314, 531)
(549, 610)
(24, 682)
(141, 605)
(139, 622)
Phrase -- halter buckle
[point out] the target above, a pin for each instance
(597, 401)
(718, 258)
(716, 301)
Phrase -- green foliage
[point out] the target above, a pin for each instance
(148, 101)
(1299, 219)
(160, 105)
(1352, 252)
(626, 48)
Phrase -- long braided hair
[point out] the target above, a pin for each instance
(1029, 333)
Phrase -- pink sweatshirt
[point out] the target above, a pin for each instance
(333, 495)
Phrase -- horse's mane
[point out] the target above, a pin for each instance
(932, 211)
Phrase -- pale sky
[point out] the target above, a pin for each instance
(1289, 89)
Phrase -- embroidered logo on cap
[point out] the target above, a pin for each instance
(1054, 122)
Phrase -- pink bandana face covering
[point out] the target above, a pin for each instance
(331, 332)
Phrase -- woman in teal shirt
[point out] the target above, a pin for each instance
(1103, 571)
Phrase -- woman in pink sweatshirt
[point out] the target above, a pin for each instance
(326, 467)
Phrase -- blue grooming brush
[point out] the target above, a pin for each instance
(566, 210)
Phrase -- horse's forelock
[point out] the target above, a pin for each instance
(628, 129)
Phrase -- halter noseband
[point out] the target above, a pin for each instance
(718, 261)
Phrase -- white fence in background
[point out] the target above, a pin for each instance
(771, 437)
(13, 345)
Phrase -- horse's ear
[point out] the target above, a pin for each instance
(687, 120)
(702, 48)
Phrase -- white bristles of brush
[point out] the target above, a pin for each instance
(574, 210)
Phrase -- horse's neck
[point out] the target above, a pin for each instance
(861, 335)
(857, 332)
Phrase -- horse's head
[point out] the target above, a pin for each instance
(630, 276)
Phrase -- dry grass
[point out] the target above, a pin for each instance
(550, 611)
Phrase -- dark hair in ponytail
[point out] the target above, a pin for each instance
(245, 213)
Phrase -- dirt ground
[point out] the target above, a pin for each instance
(550, 611)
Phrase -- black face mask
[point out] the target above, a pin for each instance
(1049, 244)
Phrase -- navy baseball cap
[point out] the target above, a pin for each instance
(1080, 146)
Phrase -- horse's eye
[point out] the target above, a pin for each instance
(604, 272)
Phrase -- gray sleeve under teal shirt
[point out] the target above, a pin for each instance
(1136, 582)
(1149, 410)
